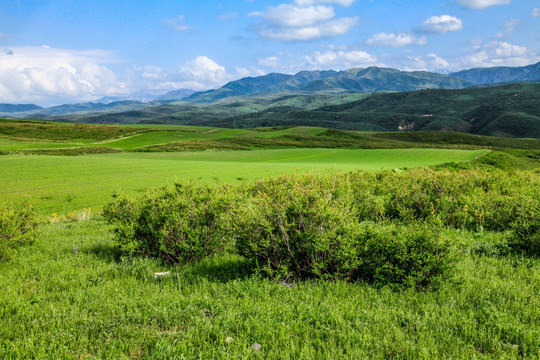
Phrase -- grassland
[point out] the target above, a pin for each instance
(61, 183)
(71, 295)
(58, 304)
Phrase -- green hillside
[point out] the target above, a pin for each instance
(509, 110)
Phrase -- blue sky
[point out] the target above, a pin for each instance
(60, 51)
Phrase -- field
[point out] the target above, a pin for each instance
(61, 184)
(75, 292)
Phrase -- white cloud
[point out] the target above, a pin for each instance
(442, 24)
(287, 22)
(178, 24)
(271, 61)
(509, 28)
(340, 60)
(396, 40)
(431, 62)
(345, 3)
(293, 16)
(498, 53)
(46, 75)
(242, 71)
(535, 12)
(482, 4)
(203, 73)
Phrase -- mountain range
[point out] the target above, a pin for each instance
(368, 80)
(373, 98)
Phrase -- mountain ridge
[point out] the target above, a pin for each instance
(371, 79)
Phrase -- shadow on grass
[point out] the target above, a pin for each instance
(108, 253)
(220, 269)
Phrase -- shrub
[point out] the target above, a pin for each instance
(469, 199)
(308, 228)
(179, 224)
(298, 227)
(525, 238)
(17, 227)
(417, 255)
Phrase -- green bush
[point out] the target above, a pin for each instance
(308, 227)
(380, 227)
(298, 227)
(17, 227)
(179, 224)
(416, 255)
(468, 199)
(526, 238)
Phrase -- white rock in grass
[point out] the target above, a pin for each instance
(256, 346)
(161, 274)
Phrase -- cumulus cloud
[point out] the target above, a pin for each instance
(271, 62)
(430, 62)
(288, 22)
(292, 16)
(341, 59)
(203, 73)
(345, 3)
(46, 75)
(482, 4)
(442, 24)
(178, 24)
(498, 53)
(396, 40)
(535, 12)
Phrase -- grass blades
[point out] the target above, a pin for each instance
(61, 303)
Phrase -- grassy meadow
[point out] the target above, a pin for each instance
(61, 184)
(75, 293)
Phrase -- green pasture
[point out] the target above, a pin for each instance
(62, 183)
(57, 303)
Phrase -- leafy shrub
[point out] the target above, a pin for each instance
(17, 227)
(180, 224)
(469, 199)
(381, 227)
(308, 228)
(417, 255)
(526, 238)
(298, 227)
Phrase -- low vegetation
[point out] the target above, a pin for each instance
(17, 227)
(382, 227)
(296, 250)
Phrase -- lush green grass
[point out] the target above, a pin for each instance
(61, 184)
(58, 304)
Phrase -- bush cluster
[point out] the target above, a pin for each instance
(17, 227)
(383, 227)
(179, 224)
(308, 227)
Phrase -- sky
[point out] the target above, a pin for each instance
(65, 51)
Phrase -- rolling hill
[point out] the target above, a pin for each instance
(511, 110)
